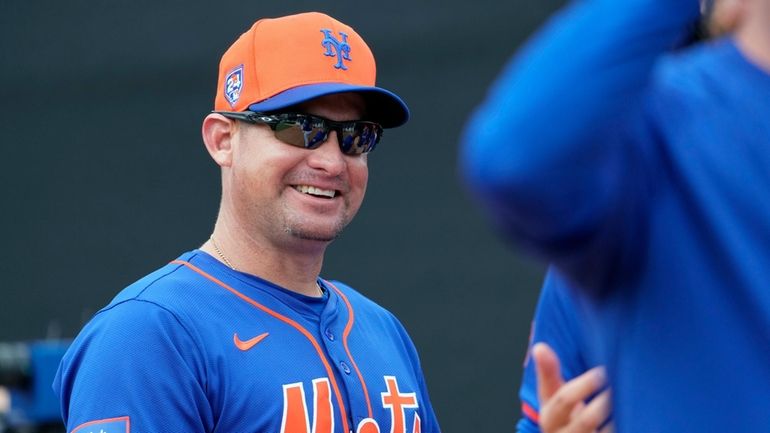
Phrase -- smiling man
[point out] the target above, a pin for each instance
(242, 334)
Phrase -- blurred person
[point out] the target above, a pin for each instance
(242, 334)
(641, 174)
(556, 320)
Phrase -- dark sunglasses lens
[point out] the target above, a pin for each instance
(300, 132)
(359, 137)
(310, 132)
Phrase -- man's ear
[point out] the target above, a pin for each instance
(218, 135)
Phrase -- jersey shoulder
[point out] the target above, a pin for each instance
(699, 72)
(164, 286)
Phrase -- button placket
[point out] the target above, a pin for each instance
(345, 368)
(331, 331)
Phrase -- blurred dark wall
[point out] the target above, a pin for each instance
(105, 177)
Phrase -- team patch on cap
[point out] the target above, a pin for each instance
(234, 85)
(111, 425)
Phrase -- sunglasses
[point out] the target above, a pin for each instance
(304, 130)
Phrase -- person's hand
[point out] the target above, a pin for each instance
(562, 405)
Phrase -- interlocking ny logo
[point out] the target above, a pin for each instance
(335, 47)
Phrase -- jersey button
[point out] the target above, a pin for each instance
(329, 334)
(344, 367)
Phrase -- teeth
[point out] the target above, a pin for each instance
(307, 189)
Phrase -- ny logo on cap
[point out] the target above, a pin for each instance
(337, 48)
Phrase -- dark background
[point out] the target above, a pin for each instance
(105, 177)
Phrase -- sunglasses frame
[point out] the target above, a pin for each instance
(298, 119)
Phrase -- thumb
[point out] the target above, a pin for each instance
(548, 370)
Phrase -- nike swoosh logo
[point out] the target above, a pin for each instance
(248, 344)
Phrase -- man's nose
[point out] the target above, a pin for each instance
(328, 156)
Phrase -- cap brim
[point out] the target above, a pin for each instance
(382, 106)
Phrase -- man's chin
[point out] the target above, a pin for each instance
(307, 236)
(314, 235)
(316, 229)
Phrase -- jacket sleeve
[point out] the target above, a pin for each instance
(553, 153)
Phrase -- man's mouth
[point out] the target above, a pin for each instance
(315, 192)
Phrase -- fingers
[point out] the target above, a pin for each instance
(549, 381)
(609, 428)
(548, 371)
(562, 407)
(593, 415)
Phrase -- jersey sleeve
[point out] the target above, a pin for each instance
(557, 323)
(552, 153)
(134, 368)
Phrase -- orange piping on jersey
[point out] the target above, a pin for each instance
(345, 334)
(530, 412)
(284, 319)
(127, 419)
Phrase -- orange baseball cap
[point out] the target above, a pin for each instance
(283, 61)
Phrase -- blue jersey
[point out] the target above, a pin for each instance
(643, 175)
(558, 322)
(198, 347)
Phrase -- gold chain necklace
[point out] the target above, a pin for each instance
(227, 262)
(222, 256)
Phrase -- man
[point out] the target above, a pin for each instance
(242, 334)
(642, 175)
(557, 321)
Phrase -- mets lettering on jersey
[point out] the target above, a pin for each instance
(198, 347)
(295, 409)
